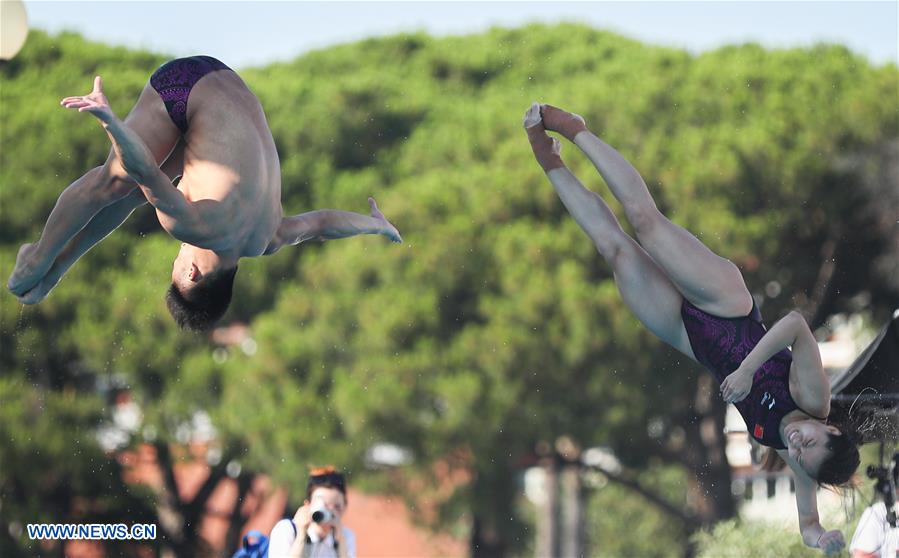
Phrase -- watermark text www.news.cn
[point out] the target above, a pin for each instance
(92, 531)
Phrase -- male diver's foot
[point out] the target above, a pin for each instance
(47, 283)
(388, 229)
(39, 292)
(547, 150)
(566, 123)
(25, 275)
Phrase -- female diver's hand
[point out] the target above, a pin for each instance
(737, 385)
(831, 542)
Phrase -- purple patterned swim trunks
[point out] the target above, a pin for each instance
(174, 80)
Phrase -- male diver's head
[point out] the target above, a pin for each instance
(201, 288)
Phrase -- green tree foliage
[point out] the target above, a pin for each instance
(496, 326)
(770, 539)
(731, 539)
(762, 539)
(650, 531)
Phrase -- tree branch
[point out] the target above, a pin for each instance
(811, 310)
(193, 511)
(237, 517)
(689, 520)
(171, 521)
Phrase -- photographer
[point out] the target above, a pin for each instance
(876, 535)
(316, 530)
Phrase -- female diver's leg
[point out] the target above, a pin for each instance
(643, 285)
(97, 189)
(103, 223)
(707, 280)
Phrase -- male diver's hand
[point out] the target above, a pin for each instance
(832, 542)
(94, 102)
(737, 385)
(387, 228)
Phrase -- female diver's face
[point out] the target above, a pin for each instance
(807, 443)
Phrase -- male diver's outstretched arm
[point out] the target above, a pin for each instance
(791, 330)
(813, 534)
(331, 224)
(136, 158)
(98, 188)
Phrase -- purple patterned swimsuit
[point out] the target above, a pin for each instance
(721, 344)
(174, 80)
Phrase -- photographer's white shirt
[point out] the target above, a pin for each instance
(284, 533)
(874, 534)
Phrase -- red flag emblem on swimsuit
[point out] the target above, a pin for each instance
(758, 431)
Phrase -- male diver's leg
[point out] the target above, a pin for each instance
(95, 190)
(102, 224)
(643, 285)
(707, 280)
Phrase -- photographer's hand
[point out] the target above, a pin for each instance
(337, 533)
(302, 519)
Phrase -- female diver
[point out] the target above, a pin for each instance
(697, 302)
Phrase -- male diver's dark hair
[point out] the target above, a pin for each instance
(206, 302)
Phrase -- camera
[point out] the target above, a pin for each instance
(885, 487)
(321, 514)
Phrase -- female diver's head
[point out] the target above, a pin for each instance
(825, 451)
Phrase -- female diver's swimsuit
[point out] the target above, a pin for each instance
(174, 80)
(721, 344)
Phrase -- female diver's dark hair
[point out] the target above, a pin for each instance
(206, 302)
(858, 425)
(838, 470)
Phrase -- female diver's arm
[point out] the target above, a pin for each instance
(791, 330)
(813, 534)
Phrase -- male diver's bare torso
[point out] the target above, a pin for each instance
(230, 160)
